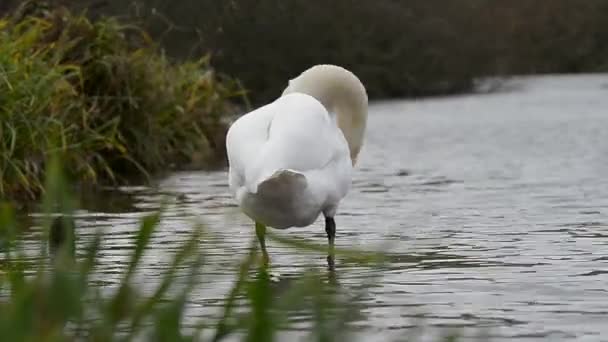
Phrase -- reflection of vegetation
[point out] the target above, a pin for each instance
(103, 93)
(59, 299)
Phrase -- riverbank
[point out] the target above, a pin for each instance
(106, 98)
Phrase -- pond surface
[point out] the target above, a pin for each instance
(494, 209)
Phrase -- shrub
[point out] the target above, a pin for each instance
(104, 93)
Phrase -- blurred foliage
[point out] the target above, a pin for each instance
(56, 294)
(102, 92)
(398, 47)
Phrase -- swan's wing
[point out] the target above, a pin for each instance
(302, 136)
(244, 139)
(295, 133)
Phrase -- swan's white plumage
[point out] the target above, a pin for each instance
(289, 161)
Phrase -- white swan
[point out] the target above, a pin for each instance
(292, 159)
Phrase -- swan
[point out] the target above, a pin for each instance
(292, 159)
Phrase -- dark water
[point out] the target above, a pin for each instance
(494, 209)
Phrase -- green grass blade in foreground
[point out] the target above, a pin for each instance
(224, 326)
(122, 304)
(57, 200)
(85, 270)
(351, 255)
(8, 230)
(190, 250)
(144, 235)
(261, 320)
(168, 318)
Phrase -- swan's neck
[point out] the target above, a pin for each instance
(342, 94)
(351, 119)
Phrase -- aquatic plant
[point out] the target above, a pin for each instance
(104, 94)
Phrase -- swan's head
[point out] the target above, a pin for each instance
(342, 94)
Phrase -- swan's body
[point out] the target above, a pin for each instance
(292, 159)
(288, 162)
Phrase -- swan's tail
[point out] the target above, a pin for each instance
(282, 183)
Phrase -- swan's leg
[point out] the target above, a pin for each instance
(260, 231)
(330, 229)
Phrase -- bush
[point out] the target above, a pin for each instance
(102, 92)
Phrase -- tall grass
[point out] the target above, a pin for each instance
(104, 94)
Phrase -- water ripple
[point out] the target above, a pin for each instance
(491, 208)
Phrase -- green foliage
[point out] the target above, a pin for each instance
(58, 302)
(103, 94)
(53, 297)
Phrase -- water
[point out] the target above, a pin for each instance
(494, 209)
